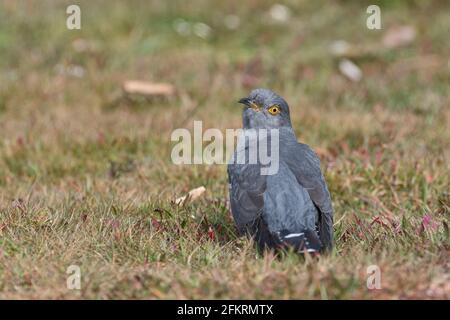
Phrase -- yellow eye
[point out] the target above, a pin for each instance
(275, 109)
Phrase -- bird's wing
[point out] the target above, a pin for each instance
(247, 187)
(305, 165)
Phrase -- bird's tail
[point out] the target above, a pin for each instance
(308, 240)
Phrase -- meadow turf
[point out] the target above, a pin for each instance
(86, 176)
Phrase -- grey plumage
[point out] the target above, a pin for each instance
(292, 206)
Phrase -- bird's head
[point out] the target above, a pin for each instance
(265, 109)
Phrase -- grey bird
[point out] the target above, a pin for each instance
(289, 208)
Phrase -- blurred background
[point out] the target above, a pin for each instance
(79, 142)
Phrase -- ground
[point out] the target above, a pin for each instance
(86, 177)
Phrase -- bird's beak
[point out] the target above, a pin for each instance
(249, 103)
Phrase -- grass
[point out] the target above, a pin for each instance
(86, 180)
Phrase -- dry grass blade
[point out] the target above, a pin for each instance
(148, 89)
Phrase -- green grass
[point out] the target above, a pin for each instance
(87, 180)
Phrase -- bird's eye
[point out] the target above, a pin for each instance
(274, 110)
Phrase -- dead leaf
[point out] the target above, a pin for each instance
(211, 233)
(399, 36)
(340, 48)
(191, 196)
(350, 70)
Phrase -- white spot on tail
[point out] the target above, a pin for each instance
(293, 235)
